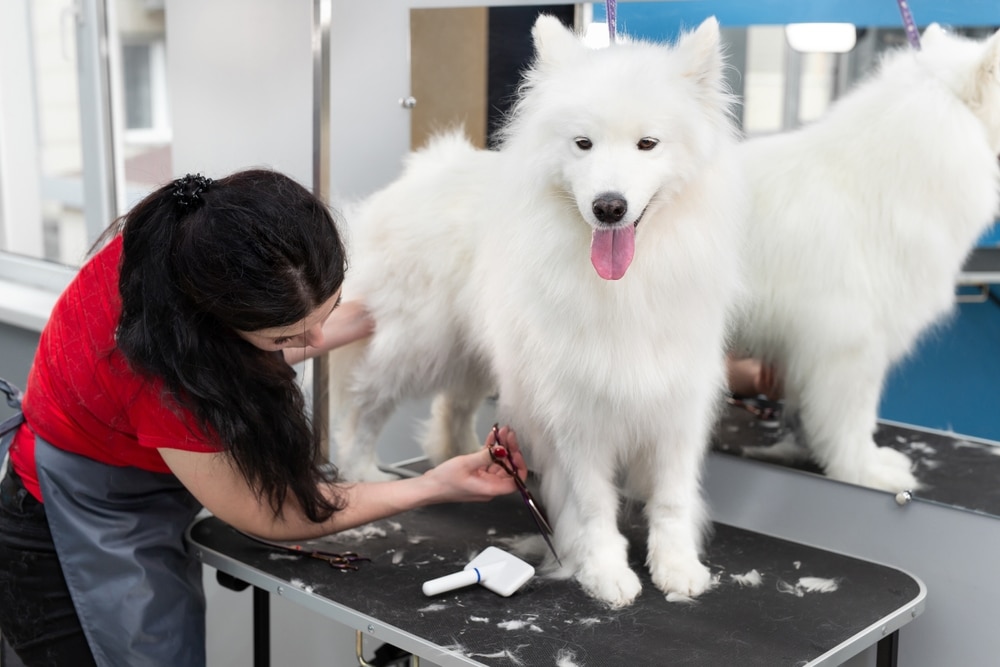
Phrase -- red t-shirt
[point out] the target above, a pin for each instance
(83, 397)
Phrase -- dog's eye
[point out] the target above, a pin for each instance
(647, 143)
(583, 143)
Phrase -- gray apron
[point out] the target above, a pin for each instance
(119, 533)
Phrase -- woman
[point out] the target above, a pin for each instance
(162, 384)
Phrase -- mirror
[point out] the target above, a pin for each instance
(464, 68)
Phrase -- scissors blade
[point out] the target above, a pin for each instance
(540, 521)
(536, 510)
(543, 527)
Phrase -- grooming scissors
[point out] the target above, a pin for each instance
(500, 456)
(339, 561)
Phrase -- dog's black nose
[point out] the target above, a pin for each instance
(609, 207)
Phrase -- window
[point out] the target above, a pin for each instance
(84, 130)
(145, 92)
(138, 88)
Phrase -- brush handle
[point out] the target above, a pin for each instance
(452, 581)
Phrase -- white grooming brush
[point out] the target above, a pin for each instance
(501, 572)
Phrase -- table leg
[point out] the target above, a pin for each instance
(261, 628)
(887, 652)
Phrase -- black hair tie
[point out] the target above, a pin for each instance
(187, 191)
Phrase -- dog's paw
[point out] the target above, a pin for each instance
(886, 469)
(891, 458)
(788, 451)
(890, 470)
(686, 577)
(617, 586)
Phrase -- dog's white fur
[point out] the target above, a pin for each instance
(476, 267)
(858, 228)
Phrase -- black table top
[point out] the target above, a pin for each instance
(954, 470)
(551, 622)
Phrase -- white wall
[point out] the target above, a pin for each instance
(240, 79)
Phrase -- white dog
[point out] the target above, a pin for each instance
(587, 272)
(859, 226)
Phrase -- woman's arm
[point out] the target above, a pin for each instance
(224, 492)
(348, 322)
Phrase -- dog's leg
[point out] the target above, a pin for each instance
(839, 413)
(582, 499)
(358, 412)
(668, 478)
(451, 429)
(356, 435)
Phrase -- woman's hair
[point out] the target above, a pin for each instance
(202, 259)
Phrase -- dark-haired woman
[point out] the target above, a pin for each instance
(162, 384)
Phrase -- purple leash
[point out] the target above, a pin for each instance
(912, 34)
(611, 6)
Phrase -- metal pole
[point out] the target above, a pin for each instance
(321, 180)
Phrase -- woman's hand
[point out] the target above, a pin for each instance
(475, 477)
(769, 382)
(750, 377)
(348, 322)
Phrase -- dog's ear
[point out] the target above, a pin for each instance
(553, 41)
(983, 92)
(703, 53)
(986, 85)
(989, 67)
(933, 33)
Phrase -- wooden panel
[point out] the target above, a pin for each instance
(448, 71)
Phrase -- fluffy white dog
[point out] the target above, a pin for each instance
(859, 226)
(587, 272)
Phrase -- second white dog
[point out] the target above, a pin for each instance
(859, 226)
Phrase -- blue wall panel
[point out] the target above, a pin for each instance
(952, 382)
(662, 20)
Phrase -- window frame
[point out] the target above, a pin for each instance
(100, 178)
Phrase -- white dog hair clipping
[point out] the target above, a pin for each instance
(501, 572)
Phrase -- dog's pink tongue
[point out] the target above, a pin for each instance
(611, 251)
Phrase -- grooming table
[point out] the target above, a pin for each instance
(549, 622)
